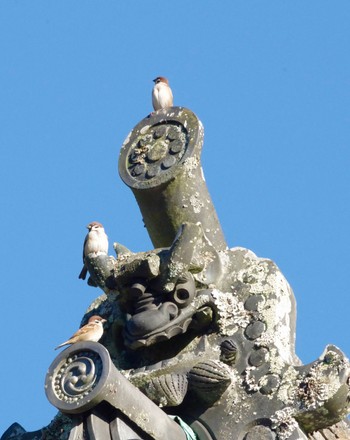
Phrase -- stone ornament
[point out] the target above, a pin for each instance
(195, 330)
(83, 375)
(160, 162)
(157, 144)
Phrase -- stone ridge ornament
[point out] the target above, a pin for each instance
(156, 150)
(83, 376)
(171, 189)
(195, 330)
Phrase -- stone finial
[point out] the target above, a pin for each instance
(160, 162)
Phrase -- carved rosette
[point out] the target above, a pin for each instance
(76, 377)
(157, 149)
(160, 142)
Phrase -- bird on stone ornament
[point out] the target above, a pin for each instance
(92, 331)
(162, 96)
(96, 242)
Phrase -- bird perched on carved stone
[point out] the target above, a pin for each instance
(162, 96)
(92, 331)
(96, 242)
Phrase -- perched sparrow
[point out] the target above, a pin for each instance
(162, 96)
(92, 331)
(96, 242)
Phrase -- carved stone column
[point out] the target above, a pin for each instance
(160, 162)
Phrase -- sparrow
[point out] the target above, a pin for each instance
(92, 331)
(162, 96)
(96, 242)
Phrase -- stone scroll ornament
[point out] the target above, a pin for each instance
(200, 339)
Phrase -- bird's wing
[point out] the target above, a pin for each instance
(83, 273)
(86, 329)
(84, 246)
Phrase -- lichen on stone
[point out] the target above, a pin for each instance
(284, 423)
(232, 314)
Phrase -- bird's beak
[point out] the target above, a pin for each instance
(103, 320)
(155, 80)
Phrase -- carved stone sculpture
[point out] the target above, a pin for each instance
(200, 339)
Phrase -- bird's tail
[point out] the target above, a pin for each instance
(61, 345)
(83, 273)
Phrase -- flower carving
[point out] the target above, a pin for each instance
(156, 150)
(77, 376)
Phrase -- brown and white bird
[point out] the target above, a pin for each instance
(162, 96)
(92, 331)
(96, 242)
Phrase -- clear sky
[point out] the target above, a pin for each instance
(270, 80)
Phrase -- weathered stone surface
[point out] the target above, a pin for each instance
(160, 162)
(267, 381)
(83, 376)
(339, 431)
(205, 332)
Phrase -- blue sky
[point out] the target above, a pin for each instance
(270, 80)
